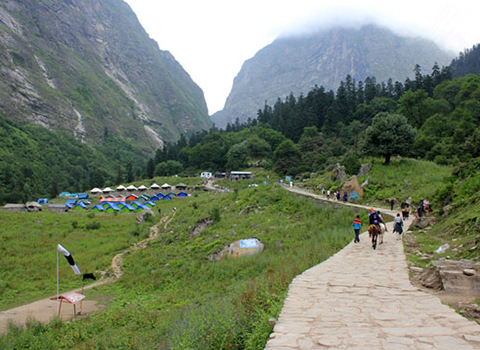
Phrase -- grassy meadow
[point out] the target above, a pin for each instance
(28, 246)
(171, 296)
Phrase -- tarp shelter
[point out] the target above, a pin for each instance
(64, 194)
(132, 188)
(107, 190)
(181, 186)
(71, 298)
(73, 195)
(42, 201)
(96, 190)
(98, 208)
(71, 203)
(142, 188)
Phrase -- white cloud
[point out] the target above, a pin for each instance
(212, 38)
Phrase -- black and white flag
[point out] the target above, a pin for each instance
(69, 258)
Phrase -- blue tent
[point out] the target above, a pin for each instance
(98, 208)
(71, 203)
(167, 197)
(136, 204)
(182, 194)
(150, 203)
(64, 194)
(42, 201)
(159, 195)
(81, 205)
(82, 196)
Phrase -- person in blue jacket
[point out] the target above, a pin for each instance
(357, 225)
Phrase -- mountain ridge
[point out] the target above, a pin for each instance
(88, 66)
(296, 64)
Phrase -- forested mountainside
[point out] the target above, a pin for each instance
(296, 64)
(468, 62)
(89, 68)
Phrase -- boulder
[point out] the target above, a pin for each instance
(366, 182)
(365, 169)
(352, 185)
(239, 248)
(338, 173)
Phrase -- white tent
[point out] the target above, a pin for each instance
(155, 186)
(143, 188)
(165, 186)
(96, 190)
(131, 188)
(107, 189)
(121, 188)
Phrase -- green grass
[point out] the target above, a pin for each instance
(28, 249)
(172, 297)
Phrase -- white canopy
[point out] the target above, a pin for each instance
(107, 189)
(154, 186)
(121, 188)
(131, 188)
(165, 185)
(143, 188)
(96, 190)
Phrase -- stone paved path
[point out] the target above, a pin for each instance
(363, 299)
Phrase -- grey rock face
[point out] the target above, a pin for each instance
(87, 66)
(297, 64)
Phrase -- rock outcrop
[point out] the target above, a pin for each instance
(88, 67)
(297, 64)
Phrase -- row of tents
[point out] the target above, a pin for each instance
(132, 188)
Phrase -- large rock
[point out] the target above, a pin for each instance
(239, 248)
(365, 169)
(338, 173)
(352, 185)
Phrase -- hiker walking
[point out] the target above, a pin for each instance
(357, 225)
(398, 226)
(392, 202)
(328, 194)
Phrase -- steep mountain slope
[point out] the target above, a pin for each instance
(89, 67)
(296, 64)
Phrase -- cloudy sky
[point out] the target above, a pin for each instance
(212, 38)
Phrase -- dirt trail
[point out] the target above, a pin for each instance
(45, 310)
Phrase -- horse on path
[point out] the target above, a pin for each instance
(376, 233)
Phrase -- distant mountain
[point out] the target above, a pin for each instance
(296, 64)
(88, 67)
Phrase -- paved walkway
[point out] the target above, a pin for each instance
(363, 299)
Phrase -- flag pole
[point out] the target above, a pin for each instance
(58, 288)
